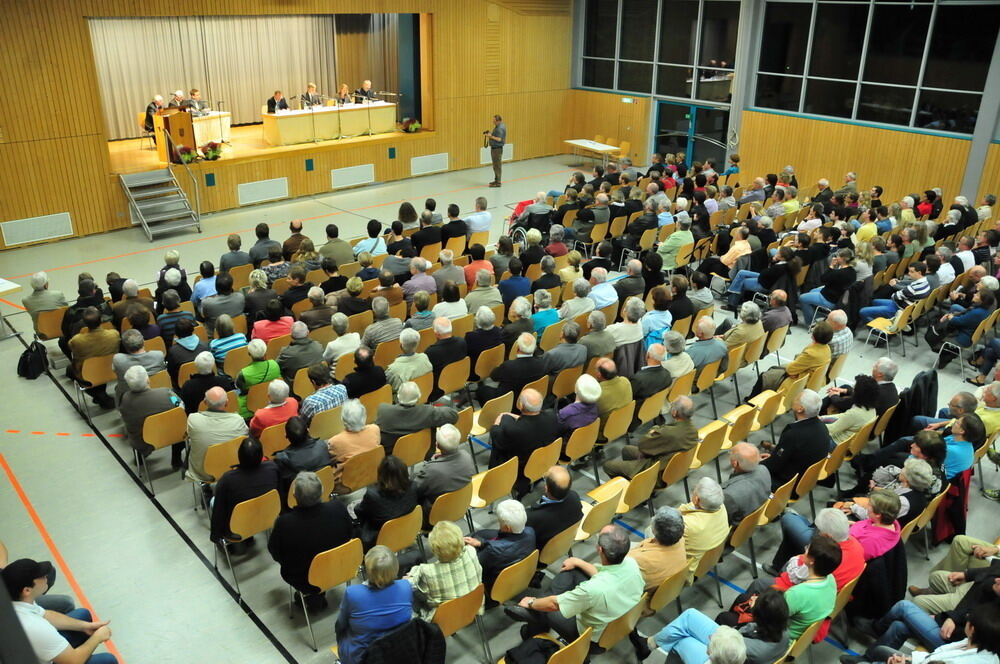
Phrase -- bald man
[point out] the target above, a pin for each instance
(557, 509)
(749, 485)
(518, 436)
(294, 240)
(208, 427)
(616, 391)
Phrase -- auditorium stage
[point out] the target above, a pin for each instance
(246, 143)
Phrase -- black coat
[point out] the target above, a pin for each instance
(599, 261)
(882, 584)
(194, 389)
(802, 443)
(519, 437)
(477, 341)
(513, 375)
(234, 487)
(445, 351)
(376, 508)
(425, 236)
(647, 382)
(363, 382)
(415, 641)
(550, 519)
(302, 533)
(456, 228)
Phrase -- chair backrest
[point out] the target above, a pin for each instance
(455, 614)
(600, 515)
(514, 578)
(682, 386)
(185, 372)
(559, 545)
(426, 385)
(754, 350)
(462, 325)
(809, 478)
(565, 381)
(335, 566)
(541, 385)
(97, 370)
(496, 482)
(493, 408)
(621, 627)
(542, 459)
(359, 321)
(640, 487)
(709, 559)
(371, 400)
(817, 378)
(220, 457)
(413, 448)
(677, 466)
(301, 385)
(932, 507)
(883, 421)
(804, 641)
(582, 440)
(362, 469)
(575, 652)
(836, 367)
(489, 360)
(326, 423)
(325, 475)
(49, 323)
(159, 379)
(451, 506)
(386, 352)
(236, 360)
(343, 366)
(652, 405)
(464, 422)
(454, 375)
(790, 388)
(779, 499)
(713, 436)
(836, 458)
(742, 418)
(844, 594)
(165, 428)
(255, 515)
(551, 335)
(776, 338)
(257, 396)
(618, 422)
(859, 440)
(668, 590)
(401, 532)
(707, 375)
(743, 531)
(734, 363)
(273, 439)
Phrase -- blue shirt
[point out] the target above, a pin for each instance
(664, 218)
(220, 347)
(883, 225)
(478, 221)
(654, 324)
(603, 294)
(367, 613)
(513, 288)
(373, 245)
(326, 398)
(203, 289)
(958, 456)
(542, 319)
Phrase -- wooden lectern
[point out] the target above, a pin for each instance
(181, 129)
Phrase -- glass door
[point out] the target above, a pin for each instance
(697, 131)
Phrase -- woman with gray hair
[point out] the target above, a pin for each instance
(583, 410)
(748, 330)
(556, 247)
(371, 609)
(358, 436)
(227, 338)
(579, 304)
(421, 317)
(454, 572)
(544, 314)
(260, 370)
(661, 555)
(677, 361)
(345, 343)
(912, 483)
(485, 335)
(706, 524)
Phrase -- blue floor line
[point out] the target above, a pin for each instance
(489, 447)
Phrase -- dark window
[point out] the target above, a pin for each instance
(896, 44)
(829, 98)
(678, 21)
(881, 103)
(635, 77)
(783, 42)
(601, 25)
(673, 81)
(962, 46)
(638, 34)
(598, 73)
(719, 24)
(948, 111)
(837, 41)
(781, 92)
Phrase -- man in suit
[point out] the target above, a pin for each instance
(450, 468)
(634, 231)
(802, 443)
(748, 486)
(194, 103)
(366, 377)
(130, 298)
(549, 278)
(839, 399)
(651, 378)
(513, 375)
(428, 233)
(568, 353)
(277, 102)
(659, 443)
(177, 99)
(409, 415)
(557, 509)
(151, 110)
(364, 92)
(603, 259)
(43, 299)
(445, 350)
(632, 283)
(311, 97)
(519, 435)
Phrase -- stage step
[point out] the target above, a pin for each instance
(157, 202)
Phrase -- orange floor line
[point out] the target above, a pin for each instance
(247, 230)
(54, 550)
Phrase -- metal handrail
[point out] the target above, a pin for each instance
(187, 168)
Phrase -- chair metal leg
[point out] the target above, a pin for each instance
(486, 643)
(927, 542)
(302, 597)
(420, 545)
(472, 453)
(715, 410)
(687, 491)
(736, 386)
(753, 558)
(812, 505)
(718, 586)
(291, 602)
(229, 561)
(597, 472)
(718, 469)
(468, 519)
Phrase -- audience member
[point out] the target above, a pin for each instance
(209, 427)
(454, 573)
(326, 395)
(358, 436)
(372, 609)
(748, 486)
(410, 414)
(260, 370)
(279, 408)
(409, 364)
(511, 542)
(518, 435)
(449, 469)
(659, 443)
(204, 378)
(345, 343)
(301, 352)
(392, 496)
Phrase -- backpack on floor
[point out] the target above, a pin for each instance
(34, 361)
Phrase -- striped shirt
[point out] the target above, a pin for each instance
(168, 322)
(220, 347)
(916, 290)
(326, 398)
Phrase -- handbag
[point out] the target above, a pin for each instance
(34, 361)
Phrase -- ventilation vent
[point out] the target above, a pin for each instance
(35, 229)
(485, 158)
(431, 163)
(263, 190)
(352, 176)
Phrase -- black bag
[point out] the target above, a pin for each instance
(34, 361)
(532, 651)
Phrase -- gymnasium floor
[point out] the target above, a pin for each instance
(69, 493)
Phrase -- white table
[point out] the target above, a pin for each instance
(593, 147)
(213, 126)
(327, 122)
(8, 288)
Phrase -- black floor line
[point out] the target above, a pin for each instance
(250, 613)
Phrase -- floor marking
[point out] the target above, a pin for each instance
(54, 550)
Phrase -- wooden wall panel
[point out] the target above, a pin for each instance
(901, 162)
(55, 158)
(989, 183)
(591, 113)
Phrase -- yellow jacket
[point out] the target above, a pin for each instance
(812, 356)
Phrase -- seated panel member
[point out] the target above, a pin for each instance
(194, 103)
(277, 102)
(311, 97)
(343, 94)
(364, 92)
(177, 99)
(151, 110)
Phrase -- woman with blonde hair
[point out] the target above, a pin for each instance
(307, 255)
(257, 295)
(455, 573)
(572, 272)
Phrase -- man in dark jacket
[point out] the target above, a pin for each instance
(366, 376)
(409, 415)
(513, 375)
(557, 509)
(802, 443)
(310, 528)
(520, 435)
(446, 349)
(428, 234)
(511, 542)
(304, 453)
(651, 378)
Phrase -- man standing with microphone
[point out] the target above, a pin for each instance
(497, 138)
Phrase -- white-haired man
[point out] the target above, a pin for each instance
(802, 442)
(578, 305)
(707, 348)
(410, 414)
(850, 184)
(513, 375)
(204, 378)
(140, 402)
(279, 409)
(446, 349)
(840, 399)
(662, 555)
(409, 364)
(632, 284)
(208, 427)
(130, 298)
(843, 336)
(319, 313)
(659, 443)
(601, 292)
(225, 300)
(153, 361)
(652, 377)
(670, 248)
(448, 271)
(598, 340)
(706, 524)
(485, 294)
(300, 353)
(568, 353)
(538, 206)
(748, 486)
(778, 314)
(384, 327)
(41, 298)
(450, 468)
(549, 278)
(497, 549)
(518, 435)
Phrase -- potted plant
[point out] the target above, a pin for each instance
(187, 154)
(211, 150)
(411, 125)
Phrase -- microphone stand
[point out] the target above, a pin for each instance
(368, 105)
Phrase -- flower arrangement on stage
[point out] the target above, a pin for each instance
(212, 150)
(187, 154)
(411, 125)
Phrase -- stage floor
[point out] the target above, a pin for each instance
(246, 142)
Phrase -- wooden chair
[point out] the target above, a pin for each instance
(740, 421)
(401, 533)
(540, 385)
(777, 501)
(325, 475)
(451, 506)
(413, 448)
(652, 406)
(386, 352)
(487, 415)
(581, 441)
(597, 515)
(247, 519)
(493, 484)
(161, 430)
(541, 460)
(160, 379)
(621, 627)
(712, 437)
(743, 532)
(668, 591)
(276, 345)
(220, 457)
(457, 613)
(677, 469)
(775, 340)
(565, 382)
(49, 324)
(257, 396)
(156, 343)
(514, 579)
(807, 482)
(489, 360)
(633, 492)
(302, 387)
(706, 379)
(559, 545)
(551, 336)
(454, 376)
(328, 570)
(358, 322)
(236, 360)
(273, 439)
(682, 387)
(326, 424)
(232, 403)
(362, 469)
(186, 371)
(371, 400)
(343, 366)
(886, 328)
(801, 644)
(707, 563)
(96, 371)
